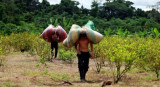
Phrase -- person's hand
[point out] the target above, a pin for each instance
(92, 55)
(57, 38)
(78, 52)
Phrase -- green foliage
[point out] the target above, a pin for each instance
(21, 42)
(7, 84)
(2, 57)
(66, 23)
(155, 33)
(9, 28)
(36, 16)
(99, 58)
(4, 48)
(152, 55)
(42, 49)
(142, 34)
(43, 61)
(32, 44)
(148, 54)
(54, 21)
(121, 33)
(35, 73)
(23, 19)
(119, 52)
(67, 55)
(59, 76)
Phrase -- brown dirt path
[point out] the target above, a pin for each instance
(23, 70)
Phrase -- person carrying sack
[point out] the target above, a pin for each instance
(54, 44)
(83, 54)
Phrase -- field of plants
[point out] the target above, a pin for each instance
(128, 55)
(116, 58)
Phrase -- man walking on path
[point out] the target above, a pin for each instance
(54, 44)
(83, 54)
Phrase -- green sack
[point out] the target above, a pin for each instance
(90, 24)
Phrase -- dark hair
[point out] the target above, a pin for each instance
(54, 32)
(82, 35)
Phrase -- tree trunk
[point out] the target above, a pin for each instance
(157, 73)
(118, 74)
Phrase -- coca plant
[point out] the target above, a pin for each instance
(120, 54)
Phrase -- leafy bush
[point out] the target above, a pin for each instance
(2, 57)
(67, 55)
(99, 58)
(22, 41)
(4, 49)
(118, 52)
(149, 55)
(41, 48)
(9, 28)
(121, 53)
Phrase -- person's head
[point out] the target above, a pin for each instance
(54, 34)
(82, 35)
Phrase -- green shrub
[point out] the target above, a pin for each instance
(2, 57)
(4, 48)
(67, 55)
(99, 58)
(119, 52)
(22, 41)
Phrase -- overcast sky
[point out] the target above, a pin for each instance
(143, 4)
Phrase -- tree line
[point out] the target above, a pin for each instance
(33, 16)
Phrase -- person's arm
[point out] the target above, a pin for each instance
(76, 47)
(92, 55)
(57, 36)
(51, 47)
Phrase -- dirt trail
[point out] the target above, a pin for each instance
(24, 70)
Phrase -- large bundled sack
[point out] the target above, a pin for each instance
(94, 36)
(73, 36)
(61, 33)
(49, 31)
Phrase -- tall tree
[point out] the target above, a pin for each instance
(69, 6)
(94, 9)
(156, 6)
(140, 13)
(27, 5)
(84, 10)
(118, 8)
(45, 4)
(154, 14)
(9, 12)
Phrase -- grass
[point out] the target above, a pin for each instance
(7, 84)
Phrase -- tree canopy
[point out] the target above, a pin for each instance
(111, 14)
